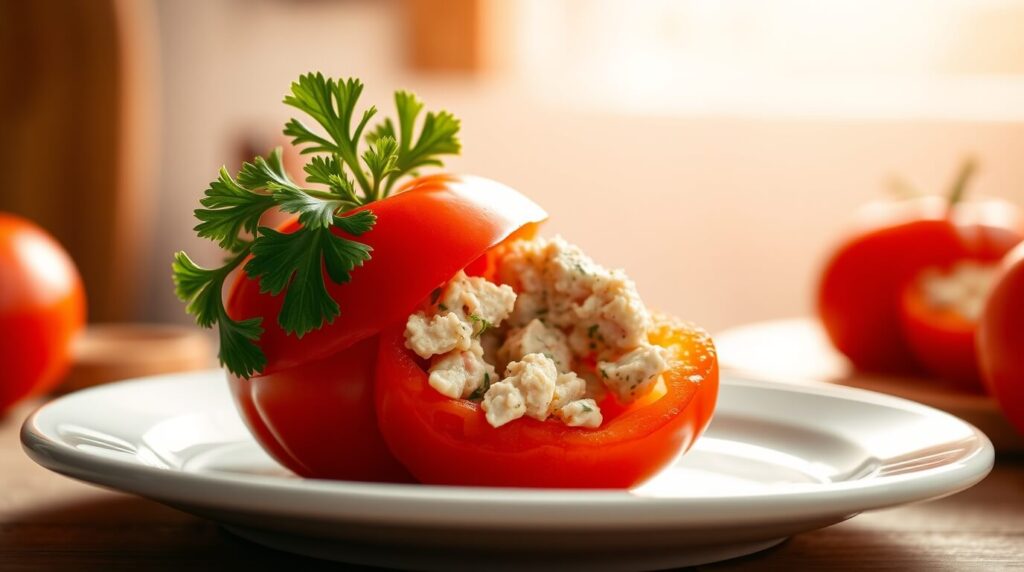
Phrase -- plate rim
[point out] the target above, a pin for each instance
(460, 506)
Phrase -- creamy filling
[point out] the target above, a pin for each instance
(962, 288)
(562, 330)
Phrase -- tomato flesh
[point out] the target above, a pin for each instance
(448, 441)
(939, 313)
(941, 340)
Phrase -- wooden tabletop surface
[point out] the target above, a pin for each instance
(49, 522)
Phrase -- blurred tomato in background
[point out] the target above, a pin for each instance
(904, 291)
(1001, 339)
(42, 309)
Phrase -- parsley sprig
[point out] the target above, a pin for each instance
(299, 263)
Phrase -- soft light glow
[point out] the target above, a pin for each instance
(48, 266)
(956, 58)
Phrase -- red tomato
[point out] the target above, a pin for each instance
(1001, 339)
(42, 308)
(427, 232)
(318, 419)
(448, 441)
(311, 408)
(866, 298)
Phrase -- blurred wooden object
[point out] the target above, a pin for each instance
(445, 36)
(113, 352)
(78, 149)
(798, 350)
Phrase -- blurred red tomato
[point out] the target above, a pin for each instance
(1001, 339)
(869, 300)
(903, 293)
(42, 307)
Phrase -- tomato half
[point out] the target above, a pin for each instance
(862, 291)
(448, 441)
(1001, 339)
(312, 406)
(318, 418)
(941, 339)
(42, 308)
(432, 228)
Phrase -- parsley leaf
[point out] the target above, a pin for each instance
(265, 173)
(330, 171)
(200, 289)
(478, 393)
(231, 210)
(356, 223)
(382, 160)
(296, 261)
(297, 264)
(332, 104)
(438, 136)
(314, 212)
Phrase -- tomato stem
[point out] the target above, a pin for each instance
(963, 176)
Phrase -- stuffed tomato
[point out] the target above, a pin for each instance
(449, 441)
(428, 334)
(311, 406)
(552, 375)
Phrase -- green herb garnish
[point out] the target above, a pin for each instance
(299, 263)
(481, 324)
(479, 392)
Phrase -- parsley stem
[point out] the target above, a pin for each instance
(348, 155)
(391, 183)
(376, 189)
(329, 196)
(234, 262)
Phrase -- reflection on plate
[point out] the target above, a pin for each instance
(777, 460)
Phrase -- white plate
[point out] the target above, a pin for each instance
(798, 349)
(777, 460)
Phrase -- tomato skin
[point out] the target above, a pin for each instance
(312, 407)
(862, 289)
(432, 228)
(447, 441)
(1001, 340)
(318, 418)
(42, 308)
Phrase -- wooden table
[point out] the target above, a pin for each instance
(49, 522)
